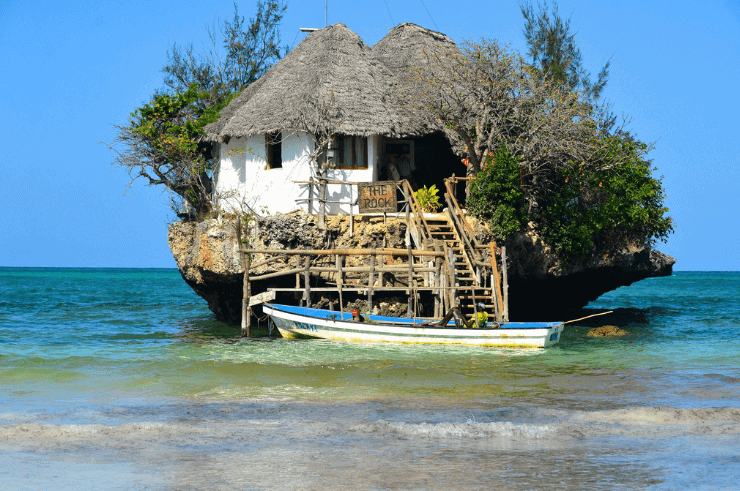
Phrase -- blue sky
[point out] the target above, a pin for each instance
(72, 69)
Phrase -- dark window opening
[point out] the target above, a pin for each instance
(274, 147)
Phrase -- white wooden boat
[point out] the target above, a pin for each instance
(302, 322)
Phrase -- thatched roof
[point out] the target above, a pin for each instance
(407, 45)
(404, 48)
(331, 64)
(334, 64)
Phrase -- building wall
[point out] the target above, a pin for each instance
(348, 193)
(242, 180)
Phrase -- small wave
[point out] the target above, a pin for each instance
(39, 431)
(664, 416)
(470, 429)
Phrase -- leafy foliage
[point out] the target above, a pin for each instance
(239, 56)
(163, 140)
(623, 204)
(554, 52)
(560, 161)
(485, 96)
(428, 199)
(620, 205)
(496, 194)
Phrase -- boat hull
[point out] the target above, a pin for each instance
(301, 322)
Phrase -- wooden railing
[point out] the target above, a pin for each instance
(437, 275)
(423, 271)
(415, 215)
(416, 212)
(449, 183)
(473, 249)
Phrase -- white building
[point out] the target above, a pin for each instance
(332, 83)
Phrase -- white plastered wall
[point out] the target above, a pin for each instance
(242, 177)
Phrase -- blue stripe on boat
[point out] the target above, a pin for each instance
(332, 315)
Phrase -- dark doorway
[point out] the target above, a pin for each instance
(435, 160)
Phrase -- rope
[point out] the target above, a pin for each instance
(588, 317)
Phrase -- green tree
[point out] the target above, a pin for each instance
(559, 163)
(553, 50)
(163, 140)
(497, 196)
(485, 95)
(614, 206)
(240, 52)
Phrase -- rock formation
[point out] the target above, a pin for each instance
(208, 259)
(606, 332)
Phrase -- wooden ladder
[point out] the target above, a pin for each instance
(452, 231)
(442, 227)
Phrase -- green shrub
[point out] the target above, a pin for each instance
(578, 205)
(428, 199)
(624, 204)
(496, 195)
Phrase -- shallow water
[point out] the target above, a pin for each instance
(123, 378)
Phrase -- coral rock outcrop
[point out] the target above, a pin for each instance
(539, 284)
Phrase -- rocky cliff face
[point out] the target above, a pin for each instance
(208, 259)
(539, 283)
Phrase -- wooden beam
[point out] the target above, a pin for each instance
(340, 281)
(495, 300)
(261, 298)
(343, 252)
(497, 286)
(307, 281)
(246, 290)
(506, 284)
(371, 283)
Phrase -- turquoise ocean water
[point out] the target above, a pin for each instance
(122, 379)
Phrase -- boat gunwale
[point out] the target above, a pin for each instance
(531, 331)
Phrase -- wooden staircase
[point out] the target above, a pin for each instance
(442, 228)
(470, 277)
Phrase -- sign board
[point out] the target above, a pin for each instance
(377, 197)
(261, 298)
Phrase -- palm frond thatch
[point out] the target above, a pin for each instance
(334, 66)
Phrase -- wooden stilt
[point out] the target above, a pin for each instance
(246, 286)
(246, 330)
(351, 214)
(438, 303)
(310, 196)
(409, 292)
(307, 281)
(494, 298)
(454, 284)
(340, 281)
(381, 280)
(475, 308)
(448, 277)
(410, 282)
(371, 282)
(322, 200)
(497, 285)
(506, 284)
